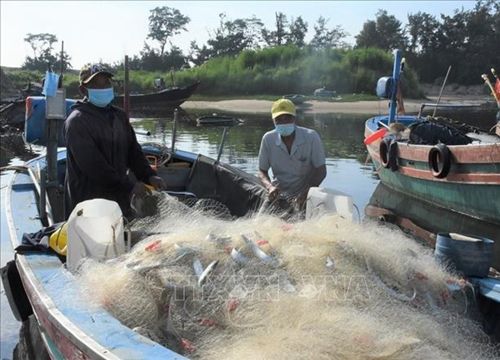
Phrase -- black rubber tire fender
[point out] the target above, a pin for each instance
(440, 160)
(384, 152)
(389, 153)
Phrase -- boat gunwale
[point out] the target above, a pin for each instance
(29, 280)
(462, 154)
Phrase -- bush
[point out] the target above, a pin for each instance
(272, 71)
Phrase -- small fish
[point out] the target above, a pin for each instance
(330, 263)
(258, 252)
(201, 273)
(238, 257)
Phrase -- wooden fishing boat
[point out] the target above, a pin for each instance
(169, 98)
(69, 326)
(13, 113)
(324, 93)
(297, 99)
(461, 178)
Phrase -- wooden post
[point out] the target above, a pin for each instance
(62, 60)
(222, 142)
(174, 129)
(441, 91)
(126, 90)
(395, 79)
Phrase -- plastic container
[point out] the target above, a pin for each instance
(95, 230)
(58, 241)
(322, 201)
(470, 255)
(384, 87)
(34, 125)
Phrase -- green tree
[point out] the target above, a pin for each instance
(175, 59)
(423, 31)
(165, 22)
(229, 39)
(40, 43)
(469, 41)
(44, 54)
(385, 33)
(150, 58)
(324, 38)
(199, 55)
(276, 37)
(473, 46)
(297, 32)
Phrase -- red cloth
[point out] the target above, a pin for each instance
(497, 88)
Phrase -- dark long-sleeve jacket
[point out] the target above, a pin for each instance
(101, 146)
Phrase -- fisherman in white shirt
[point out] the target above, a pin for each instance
(295, 154)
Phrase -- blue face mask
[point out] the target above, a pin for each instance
(285, 129)
(101, 97)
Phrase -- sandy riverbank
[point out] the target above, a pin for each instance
(356, 107)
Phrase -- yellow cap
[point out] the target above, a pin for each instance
(281, 107)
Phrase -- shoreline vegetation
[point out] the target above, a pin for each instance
(269, 71)
(250, 81)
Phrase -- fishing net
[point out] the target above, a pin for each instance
(156, 204)
(261, 288)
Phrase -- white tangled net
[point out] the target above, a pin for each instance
(213, 287)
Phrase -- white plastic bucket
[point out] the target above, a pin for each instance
(95, 230)
(322, 201)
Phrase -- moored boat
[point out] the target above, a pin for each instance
(216, 119)
(168, 98)
(297, 99)
(13, 113)
(464, 178)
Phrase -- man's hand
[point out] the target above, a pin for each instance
(300, 200)
(157, 182)
(140, 189)
(273, 192)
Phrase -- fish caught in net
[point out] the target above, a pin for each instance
(262, 288)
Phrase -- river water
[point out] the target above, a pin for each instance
(342, 135)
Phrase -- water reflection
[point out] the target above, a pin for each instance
(427, 220)
(340, 133)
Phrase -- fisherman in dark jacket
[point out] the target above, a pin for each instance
(101, 147)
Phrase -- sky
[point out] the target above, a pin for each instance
(107, 30)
